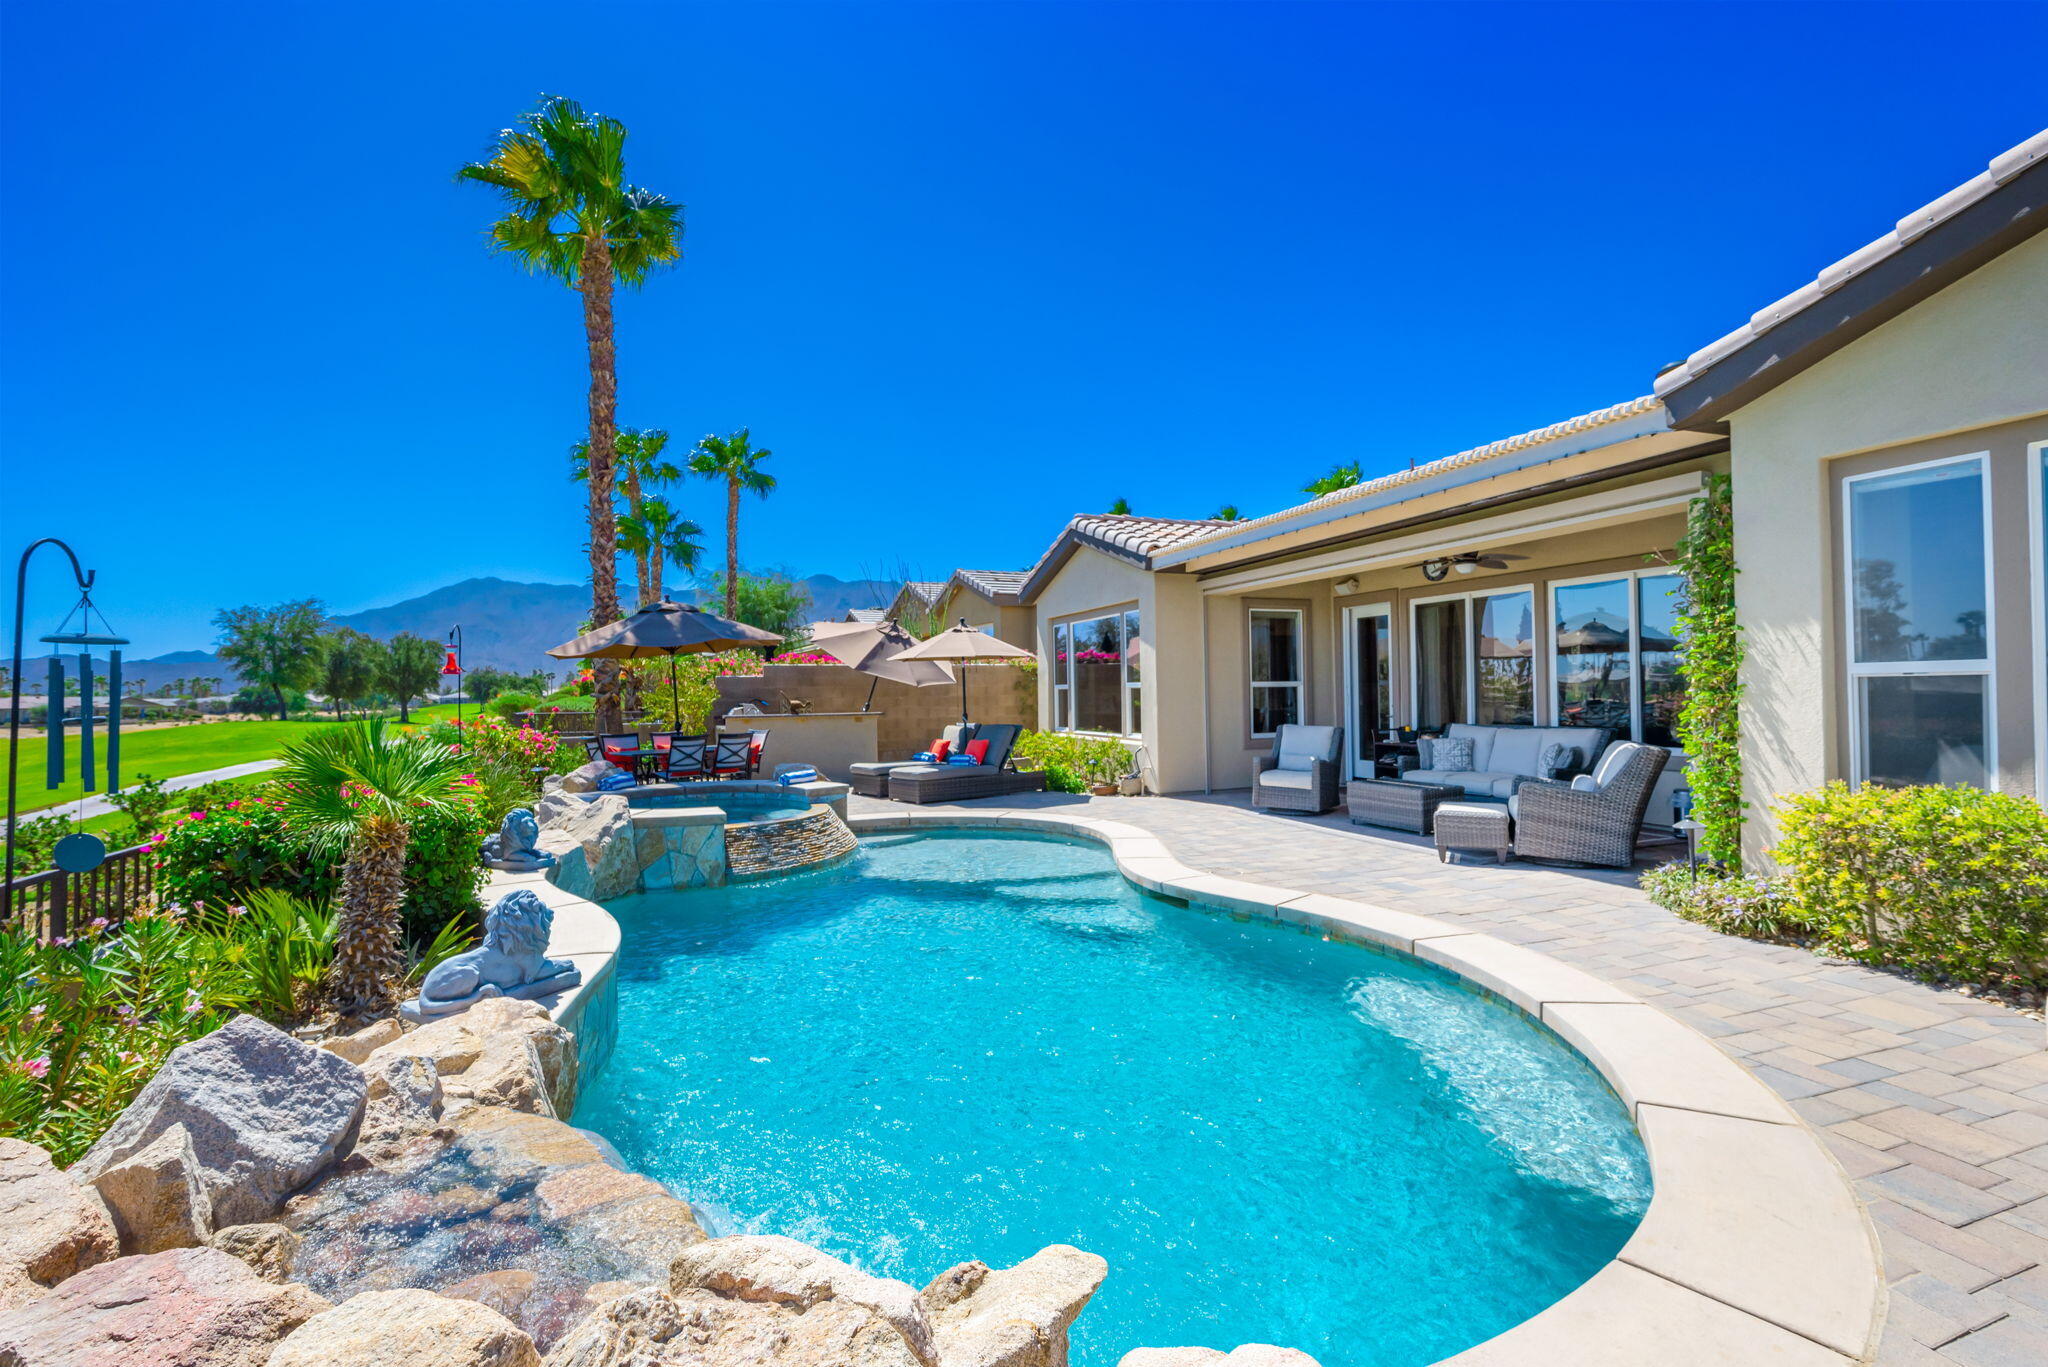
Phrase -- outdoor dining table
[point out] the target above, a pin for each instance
(646, 763)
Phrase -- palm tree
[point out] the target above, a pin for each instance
(734, 460)
(359, 788)
(656, 535)
(1120, 508)
(570, 213)
(641, 468)
(1227, 513)
(1340, 477)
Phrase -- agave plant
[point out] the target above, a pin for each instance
(358, 789)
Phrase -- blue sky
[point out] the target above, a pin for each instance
(967, 269)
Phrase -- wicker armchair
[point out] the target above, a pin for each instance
(1301, 773)
(1594, 818)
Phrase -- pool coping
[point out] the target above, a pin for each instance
(1755, 1249)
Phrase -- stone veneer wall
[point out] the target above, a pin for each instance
(755, 849)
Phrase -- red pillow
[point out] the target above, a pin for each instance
(940, 748)
(977, 750)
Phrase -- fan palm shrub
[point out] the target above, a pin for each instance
(569, 212)
(359, 789)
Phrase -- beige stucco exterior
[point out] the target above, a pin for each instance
(962, 602)
(1965, 371)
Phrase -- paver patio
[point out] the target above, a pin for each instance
(1935, 1104)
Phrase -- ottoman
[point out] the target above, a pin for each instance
(1401, 806)
(1472, 826)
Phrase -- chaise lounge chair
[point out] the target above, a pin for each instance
(870, 778)
(993, 777)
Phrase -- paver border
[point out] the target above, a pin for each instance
(1755, 1249)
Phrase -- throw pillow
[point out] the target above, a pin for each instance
(1451, 754)
(977, 751)
(941, 748)
(1557, 755)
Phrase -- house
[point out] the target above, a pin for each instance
(869, 616)
(1884, 428)
(988, 601)
(915, 600)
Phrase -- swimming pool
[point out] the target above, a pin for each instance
(739, 804)
(971, 1045)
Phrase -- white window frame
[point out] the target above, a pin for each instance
(1986, 668)
(1635, 638)
(2037, 531)
(1298, 684)
(1063, 679)
(1471, 648)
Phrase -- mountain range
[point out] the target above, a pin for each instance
(504, 624)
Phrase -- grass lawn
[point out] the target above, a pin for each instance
(164, 753)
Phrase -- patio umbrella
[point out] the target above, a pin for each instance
(963, 643)
(875, 648)
(664, 628)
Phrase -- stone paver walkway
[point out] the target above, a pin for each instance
(1935, 1104)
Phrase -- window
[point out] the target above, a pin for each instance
(1614, 655)
(1919, 628)
(1095, 674)
(1276, 669)
(1475, 659)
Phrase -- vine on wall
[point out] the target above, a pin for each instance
(1708, 724)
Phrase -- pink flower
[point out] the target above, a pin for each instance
(36, 1067)
(35, 1013)
(238, 911)
(98, 923)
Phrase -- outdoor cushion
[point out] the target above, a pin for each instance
(1516, 750)
(1479, 784)
(880, 766)
(977, 750)
(1611, 763)
(1556, 755)
(1299, 746)
(1482, 745)
(1586, 783)
(1287, 778)
(1453, 754)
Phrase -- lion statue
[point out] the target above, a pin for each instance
(512, 961)
(515, 848)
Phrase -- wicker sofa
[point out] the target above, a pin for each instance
(1302, 772)
(960, 782)
(1504, 755)
(1594, 818)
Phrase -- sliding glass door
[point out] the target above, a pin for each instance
(1368, 681)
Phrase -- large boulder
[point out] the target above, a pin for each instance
(157, 1197)
(1244, 1355)
(656, 1328)
(50, 1227)
(265, 1113)
(486, 1040)
(769, 1269)
(407, 1328)
(188, 1307)
(1015, 1317)
(584, 778)
(592, 842)
(360, 1045)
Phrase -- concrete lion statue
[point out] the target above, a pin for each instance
(511, 962)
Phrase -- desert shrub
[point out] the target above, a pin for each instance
(1947, 880)
(1760, 908)
(1072, 763)
(282, 946)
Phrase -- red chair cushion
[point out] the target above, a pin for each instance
(977, 750)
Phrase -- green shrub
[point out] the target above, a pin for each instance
(1952, 881)
(506, 706)
(1760, 908)
(1072, 763)
(145, 803)
(35, 839)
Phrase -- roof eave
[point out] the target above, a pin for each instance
(1829, 319)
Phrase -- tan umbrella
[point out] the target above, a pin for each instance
(964, 643)
(876, 648)
(664, 628)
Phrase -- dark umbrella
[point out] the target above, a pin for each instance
(664, 628)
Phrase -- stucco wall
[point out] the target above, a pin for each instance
(1966, 370)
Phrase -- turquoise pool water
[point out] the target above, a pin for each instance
(740, 805)
(970, 1046)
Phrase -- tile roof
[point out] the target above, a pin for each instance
(994, 584)
(1333, 504)
(1132, 539)
(867, 614)
(928, 590)
(2002, 168)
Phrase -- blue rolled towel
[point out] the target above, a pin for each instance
(791, 776)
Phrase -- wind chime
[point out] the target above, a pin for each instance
(76, 853)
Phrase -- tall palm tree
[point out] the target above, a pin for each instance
(1227, 513)
(1120, 508)
(656, 535)
(561, 175)
(642, 467)
(734, 460)
(1340, 477)
(359, 788)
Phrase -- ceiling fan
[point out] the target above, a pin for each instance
(1436, 570)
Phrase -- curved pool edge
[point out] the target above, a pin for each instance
(1755, 1248)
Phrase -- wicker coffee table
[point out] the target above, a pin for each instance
(1472, 826)
(1401, 806)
